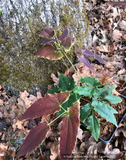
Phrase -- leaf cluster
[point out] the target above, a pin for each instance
(64, 100)
(54, 48)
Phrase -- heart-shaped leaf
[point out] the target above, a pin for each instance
(46, 105)
(105, 110)
(66, 83)
(64, 34)
(67, 42)
(47, 33)
(85, 61)
(49, 52)
(69, 129)
(34, 139)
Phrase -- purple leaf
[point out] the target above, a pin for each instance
(64, 34)
(66, 42)
(123, 3)
(87, 52)
(47, 33)
(85, 61)
(46, 41)
(99, 59)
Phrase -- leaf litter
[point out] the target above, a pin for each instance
(107, 27)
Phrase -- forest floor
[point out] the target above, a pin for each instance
(107, 24)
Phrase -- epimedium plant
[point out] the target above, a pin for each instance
(64, 99)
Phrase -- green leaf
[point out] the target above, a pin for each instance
(101, 92)
(73, 98)
(84, 91)
(95, 92)
(91, 81)
(85, 111)
(113, 99)
(105, 110)
(55, 89)
(94, 126)
(66, 83)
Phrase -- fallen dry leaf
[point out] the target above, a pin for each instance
(54, 150)
(122, 71)
(116, 35)
(55, 79)
(121, 130)
(112, 153)
(34, 98)
(109, 65)
(1, 102)
(122, 24)
(80, 133)
(1, 114)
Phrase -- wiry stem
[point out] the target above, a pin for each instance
(71, 64)
(63, 51)
(56, 118)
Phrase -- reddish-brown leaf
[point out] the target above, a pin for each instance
(49, 52)
(64, 34)
(47, 33)
(67, 42)
(34, 138)
(46, 105)
(69, 129)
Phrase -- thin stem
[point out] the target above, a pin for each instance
(56, 118)
(64, 62)
(86, 100)
(63, 51)
(63, 108)
(72, 64)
